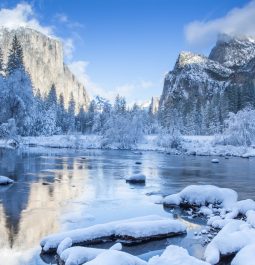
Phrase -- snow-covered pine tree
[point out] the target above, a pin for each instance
(19, 89)
(15, 57)
(1, 63)
(71, 113)
(52, 100)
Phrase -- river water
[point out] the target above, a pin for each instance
(58, 189)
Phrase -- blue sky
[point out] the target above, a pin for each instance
(126, 46)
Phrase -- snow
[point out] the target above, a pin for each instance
(198, 145)
(79, 255)
(251, 217)
(246, 256)
(137, 178)
(200, 195)
(114, 257)
(174, 255)
(66, 243)
(232, 237)
(5, 180)
(134, 228)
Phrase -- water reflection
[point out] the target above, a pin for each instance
(30, 210)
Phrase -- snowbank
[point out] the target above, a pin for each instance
(129, 230)
(174, 255)
(199, 195)
(191, 145)
(5, 180)
(137, 178)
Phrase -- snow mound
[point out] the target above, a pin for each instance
(5, 180)
(200, 195)
(80, 255)
(174, 255)
(114, 257)
(66, 243)
(246, 256)
(137, 178)
(232, 237)
(251, 217)
(134, 229)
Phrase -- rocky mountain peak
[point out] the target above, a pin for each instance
(188, 58)
(233, 51)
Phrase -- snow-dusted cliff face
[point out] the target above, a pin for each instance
(199, 92)
(43, 59)
(233, 52)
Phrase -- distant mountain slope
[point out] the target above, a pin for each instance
(199, 92)
(43, 59)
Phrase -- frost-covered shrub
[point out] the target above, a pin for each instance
(122, 131)
(8, 130)
(239, 129)
(170, 139)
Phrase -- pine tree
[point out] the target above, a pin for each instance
(71, 113)
(15, 58)
(1, 63)
(52, 97)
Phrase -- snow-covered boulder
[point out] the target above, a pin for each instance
(136, 178)
(5, 180)
(200, 195)
(246, 256)
(251, 217)
(215, 160)
(79, 255)
(114, 257)
(240, 208)
(232, 237)
(174, 255)
(66, 243)
(138, 229)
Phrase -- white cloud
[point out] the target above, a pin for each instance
(129, 90)
(238, 21)
(22, 16)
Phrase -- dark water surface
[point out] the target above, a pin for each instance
(56, 190)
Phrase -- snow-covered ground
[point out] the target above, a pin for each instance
(191, 145)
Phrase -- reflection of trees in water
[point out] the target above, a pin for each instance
(30, 210)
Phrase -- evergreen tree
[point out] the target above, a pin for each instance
(15, 57)
(52, 97)
(1, 63)
(120, 105)
(71, 113)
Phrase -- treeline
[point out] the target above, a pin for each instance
(27, 114)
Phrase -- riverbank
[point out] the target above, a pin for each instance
(189, 145)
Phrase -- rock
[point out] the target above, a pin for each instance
(138, 163)
(44, 60)
(200, 91)
(215, 160)
(5, 180)
(137, 178)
